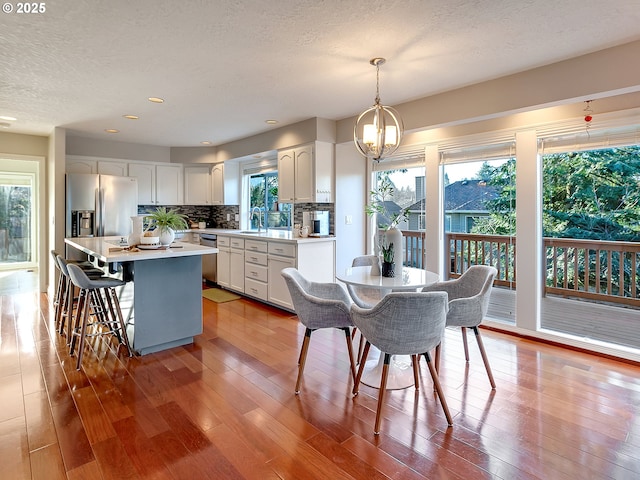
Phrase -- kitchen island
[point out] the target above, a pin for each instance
(162, 299)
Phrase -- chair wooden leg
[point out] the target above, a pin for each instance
(416, 379)
(484, 357)
(436, 383)
(303, 358)
(383, 388)
(464, 342)
(350, 349)
(363, 361)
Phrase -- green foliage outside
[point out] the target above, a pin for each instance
(263, 194)
(591, 195)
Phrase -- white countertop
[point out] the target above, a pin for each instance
(285, 235)
(108, 249)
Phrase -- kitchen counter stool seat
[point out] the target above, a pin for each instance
(64, 296)
(109, 318)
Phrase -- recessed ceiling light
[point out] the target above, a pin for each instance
(270, 122)
(112, 130)
(206, 142)
(8, 119)
(156, 100)
(131, 117)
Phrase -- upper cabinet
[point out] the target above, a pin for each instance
(305, 174)
(80, 165)
(169, 185)
(197, 184)
(158, 184)
(225, 178)
(113, 168)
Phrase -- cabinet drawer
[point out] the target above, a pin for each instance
(224, 241)
(257, 258)
(256, 272)
(237, 242)
(255, 246)
(282, 249)
(255, 289)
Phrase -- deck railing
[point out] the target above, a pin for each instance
(592, 269)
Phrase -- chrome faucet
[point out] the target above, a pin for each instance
(252, 212)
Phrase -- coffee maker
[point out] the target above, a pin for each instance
(318, 223)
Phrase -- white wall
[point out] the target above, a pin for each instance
(351, 197)
(92, 147)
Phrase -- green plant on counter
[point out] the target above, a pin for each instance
(387, 252)
(164, 219)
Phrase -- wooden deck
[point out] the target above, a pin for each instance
(583, 319)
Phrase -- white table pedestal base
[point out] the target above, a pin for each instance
(400, 371)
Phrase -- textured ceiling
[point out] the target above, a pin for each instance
(224, 67)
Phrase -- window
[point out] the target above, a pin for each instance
(408, 195)
(264, 209)
(17, 196)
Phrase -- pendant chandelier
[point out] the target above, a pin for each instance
(378, 130)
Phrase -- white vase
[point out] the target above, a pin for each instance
(394, 235)
(167, 236)
(137, 224)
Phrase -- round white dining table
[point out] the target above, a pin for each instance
(410, 279)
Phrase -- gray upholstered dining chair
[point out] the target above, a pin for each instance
(362, 296)
(319, 305)
(403, 323)
(468, 303)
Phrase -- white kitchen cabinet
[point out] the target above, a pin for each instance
(197, 185)
(278, 290)
(225, 179)
(169, 185)
(231, 263)
(256, 275)
(146, 175)
(224, 261)
(80, 165)
(158, 184)
(113, 168)
(305, 174)
(314, 260)
(236, 270)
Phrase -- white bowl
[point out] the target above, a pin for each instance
(149, 240)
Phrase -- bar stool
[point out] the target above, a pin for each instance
(108, 315)
(64, 297)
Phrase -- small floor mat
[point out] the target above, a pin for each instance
(218, 295)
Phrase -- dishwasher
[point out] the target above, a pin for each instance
(209, 262)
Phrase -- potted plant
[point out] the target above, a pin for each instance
(388, 221)
(388, 266)
(167, 222)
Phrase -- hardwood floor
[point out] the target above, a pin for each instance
(224, 408)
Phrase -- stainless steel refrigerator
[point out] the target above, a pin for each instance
(100, 205)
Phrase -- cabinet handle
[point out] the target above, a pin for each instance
(254, 259)
(254, 274)
(254, 291)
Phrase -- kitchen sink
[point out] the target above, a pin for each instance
(251, 232)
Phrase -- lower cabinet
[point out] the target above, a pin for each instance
(224, 262)
(253, 266)
(256, 275)
(278, 290)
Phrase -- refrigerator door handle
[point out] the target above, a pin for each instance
(101, 212)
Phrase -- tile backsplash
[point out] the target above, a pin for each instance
(215, 216)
